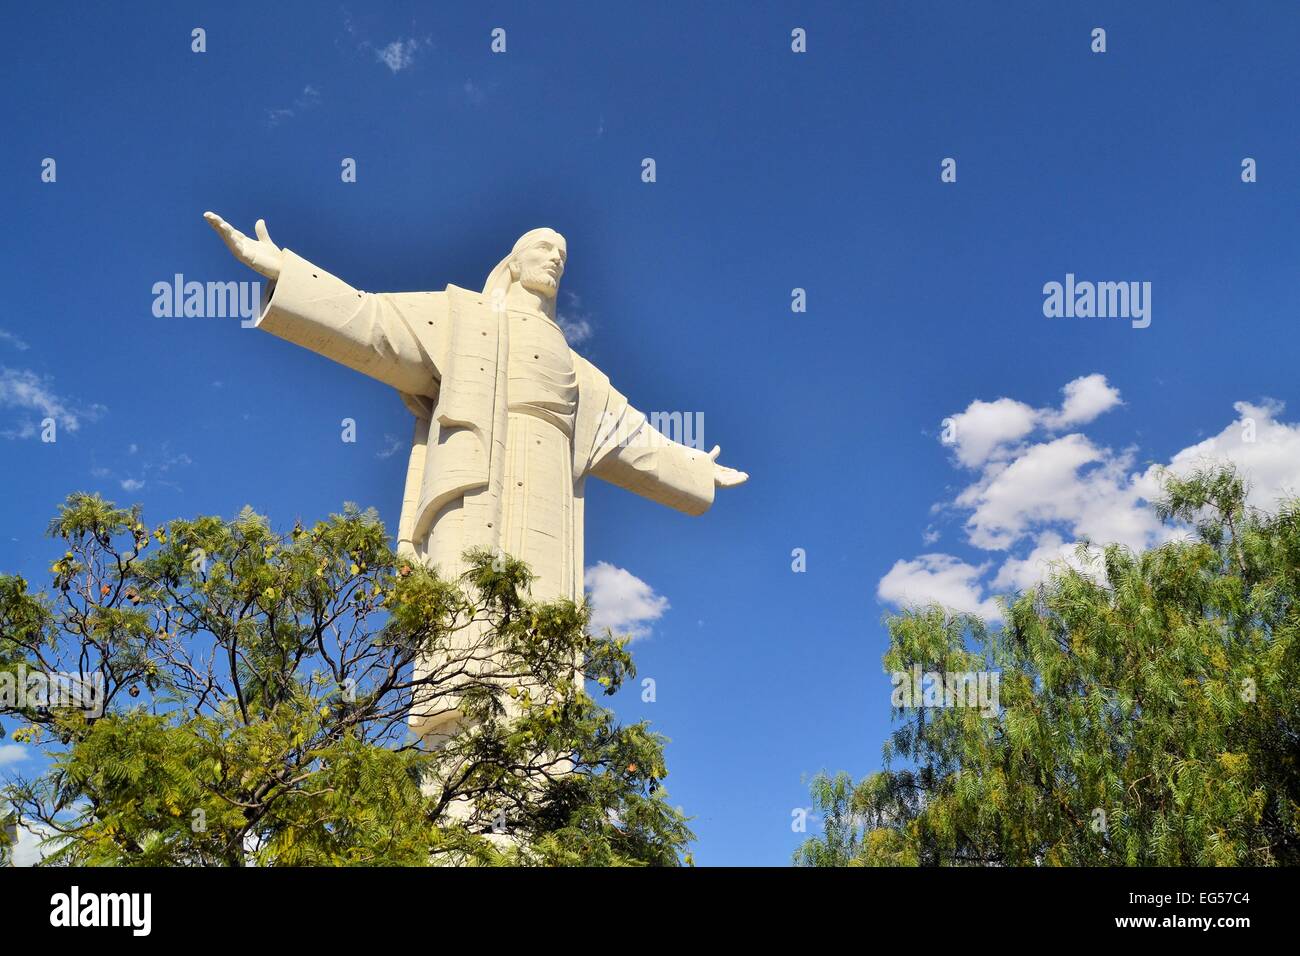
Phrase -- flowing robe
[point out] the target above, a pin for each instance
(509, 421)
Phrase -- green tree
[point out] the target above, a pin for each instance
(1150, 711)
(255, 690)
(8, 824)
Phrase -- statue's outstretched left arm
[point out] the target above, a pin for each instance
(638, 458)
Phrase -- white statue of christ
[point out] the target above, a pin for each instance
(509, 420)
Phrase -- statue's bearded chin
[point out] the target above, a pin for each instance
(540, 282)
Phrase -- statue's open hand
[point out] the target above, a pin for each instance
(260, 254)
(723, 476)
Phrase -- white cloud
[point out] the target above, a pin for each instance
(1033, 501)
(937, 578)
(1085, 399)
(985, 427)
(398, 55)
(1067, 481)
(11, 754)
(131, 484)
(1266, 451)
(24, 389)
(621, 601)
(27, 849)
(989, 430)
(1050, 552)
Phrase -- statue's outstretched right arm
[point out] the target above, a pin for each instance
(397, 338)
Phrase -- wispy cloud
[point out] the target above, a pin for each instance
(152, 468)
(308, 99)
(575, 323)
(26, 391)
(477, 93)
(392, 445)
(13, 341)
(398, 55)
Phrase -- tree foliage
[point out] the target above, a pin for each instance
(8, 821)
(256, 688)
(1149, 711)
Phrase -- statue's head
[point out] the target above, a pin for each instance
(536, 262)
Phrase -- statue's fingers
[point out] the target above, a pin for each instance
(717, 450)
(217, 223)
(259, 227)
(228, 233)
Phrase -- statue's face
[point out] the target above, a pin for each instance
(541, 265)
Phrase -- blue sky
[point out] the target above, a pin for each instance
(775, 170)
